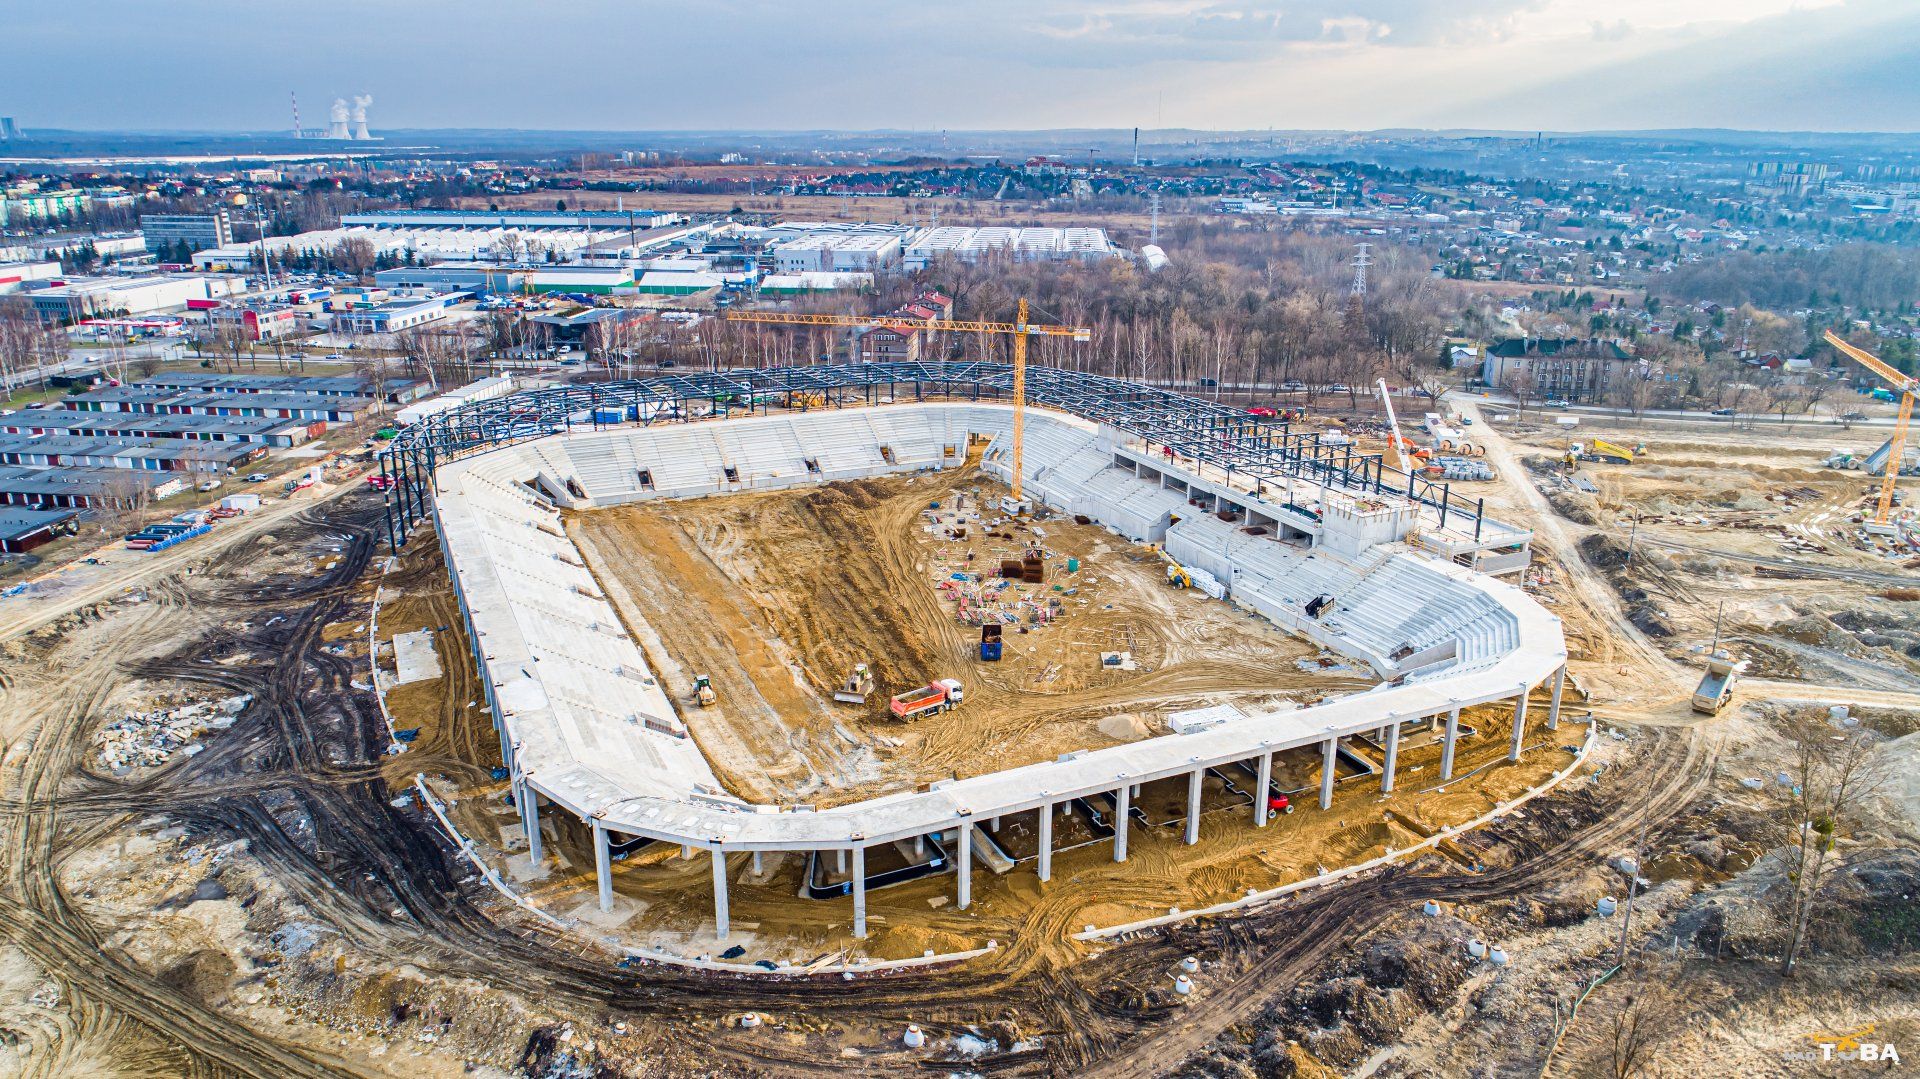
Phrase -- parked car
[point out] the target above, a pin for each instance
(1724, 412)
(256, 477)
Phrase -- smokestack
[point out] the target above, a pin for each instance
(360, 103)
(337, 119)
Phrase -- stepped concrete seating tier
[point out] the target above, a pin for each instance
(586, 724)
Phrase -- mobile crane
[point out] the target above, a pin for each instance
(1019, 329)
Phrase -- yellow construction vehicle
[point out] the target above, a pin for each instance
(804, 399)
(1904, 385)
(1603, 450)
(857, 687)
(1019, 329)
(1177, 575)
(703, 690)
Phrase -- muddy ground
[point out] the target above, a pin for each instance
(796, 587)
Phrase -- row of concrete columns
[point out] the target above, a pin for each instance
(526, 799)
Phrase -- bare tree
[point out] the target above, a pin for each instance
(1834, 771)
(354, 255)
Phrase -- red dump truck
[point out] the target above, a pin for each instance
(928, 700)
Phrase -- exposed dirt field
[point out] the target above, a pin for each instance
(1745, 532)
(793, 588)
(275, 905)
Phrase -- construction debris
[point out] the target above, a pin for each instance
(148, 739)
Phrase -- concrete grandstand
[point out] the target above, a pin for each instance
(1329, 546)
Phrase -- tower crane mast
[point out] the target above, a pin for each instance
(1904, 385)
(1019, 329)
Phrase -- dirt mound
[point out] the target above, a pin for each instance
(1576, 506)
(1125, 727)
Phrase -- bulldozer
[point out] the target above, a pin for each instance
(703, 690)
(857, 687)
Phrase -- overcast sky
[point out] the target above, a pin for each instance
(1835, 65)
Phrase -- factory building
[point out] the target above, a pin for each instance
(396, 391)
(808, 284)
(23, 530)
(141, 454)
(15, 276)
(396, 315)
(85, 488)
(86, 297)
(1018, 244)
(816, 252)
(256, 323)
(281, 406)
(477, 278)
(604, 221)
(277, 433)
(165, 231)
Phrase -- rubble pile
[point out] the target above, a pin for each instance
(147, 739)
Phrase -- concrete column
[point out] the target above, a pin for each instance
(720, 920)
(1446, 751)
(919, 846)
(686, 850)
(1193, 805)
(1326, 772)
(1553, 710)
(1046, 841)
(840, 862)
(1519, 725)
(603, 865)
(1124, 802)
(964, 859)
(1393, 759)
(756, 863)
(860, 892)
(994, 825)
(1260, 794)
(531, 801)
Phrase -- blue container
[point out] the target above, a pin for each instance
(609, 415)
(990, 651)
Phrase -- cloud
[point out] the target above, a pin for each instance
(1617, 30)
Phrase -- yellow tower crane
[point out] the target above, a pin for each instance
(1904, 385)
(1019, 329)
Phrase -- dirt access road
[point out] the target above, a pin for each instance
(60, 592)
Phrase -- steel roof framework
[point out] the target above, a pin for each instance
(1258, 448)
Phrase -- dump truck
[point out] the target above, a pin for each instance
(857, 687)
(703, 690)
(930, 699)
(1716, 687)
